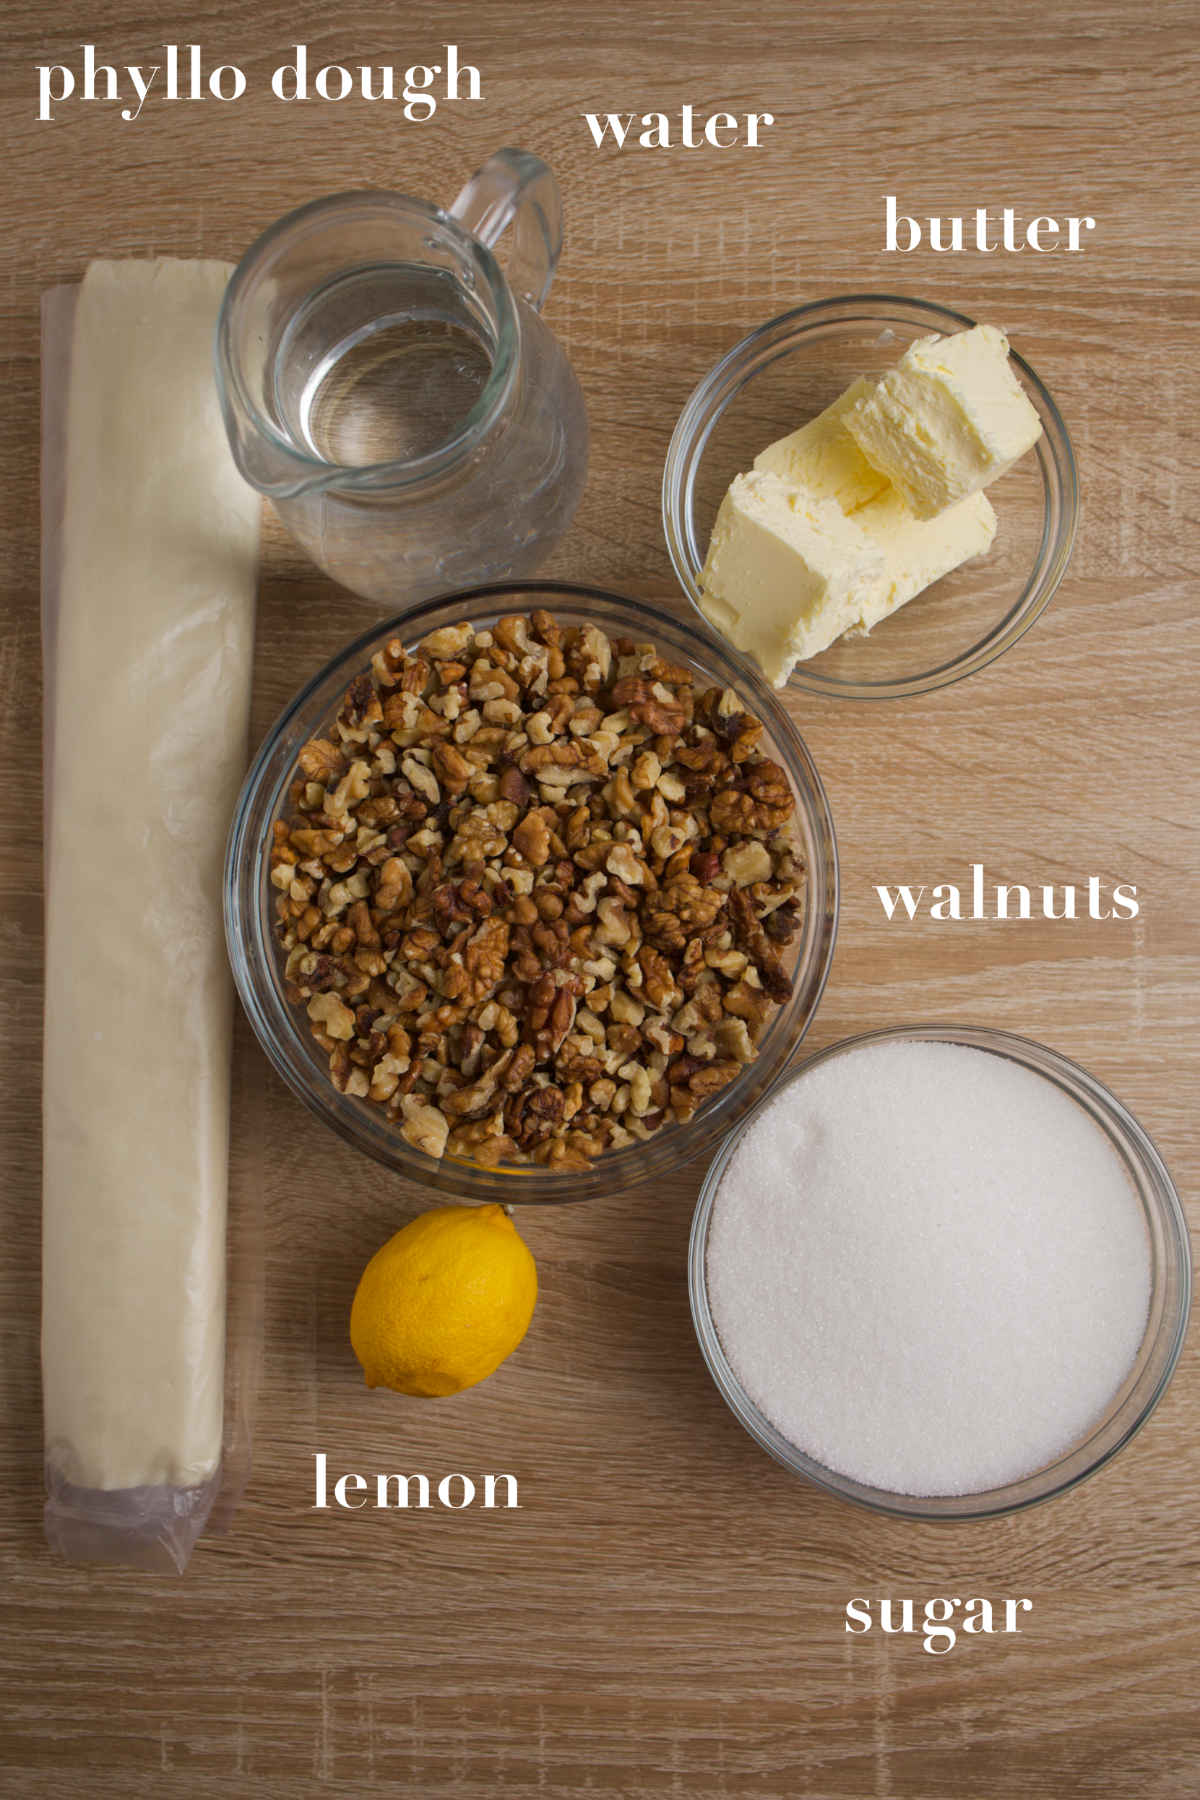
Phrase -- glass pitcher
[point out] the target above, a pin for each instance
(396, 395)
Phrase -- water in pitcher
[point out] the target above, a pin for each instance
(385, 364)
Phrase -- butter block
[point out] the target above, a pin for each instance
(786, 573)
(918, 552)
(824, 458)
(947, 420)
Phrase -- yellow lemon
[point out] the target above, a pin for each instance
(444, 1302)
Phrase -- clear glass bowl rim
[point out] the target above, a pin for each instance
(250, 944)
(759, 348)
(1160, 1349)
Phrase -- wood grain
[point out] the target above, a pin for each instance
(664, 1614)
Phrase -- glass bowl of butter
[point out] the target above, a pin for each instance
(784, 376)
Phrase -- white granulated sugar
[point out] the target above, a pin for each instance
(928, 1268)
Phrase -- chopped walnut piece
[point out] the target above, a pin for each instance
(735, 810)
(322, 761)
(532, 839)
(423, 1126)
(747, 862)
(332, 1015)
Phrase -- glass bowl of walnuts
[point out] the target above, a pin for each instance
(531, 892)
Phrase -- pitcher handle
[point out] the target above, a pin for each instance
(517, 188)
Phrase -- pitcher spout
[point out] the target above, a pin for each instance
(273, 467)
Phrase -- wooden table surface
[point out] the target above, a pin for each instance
(664, 1615)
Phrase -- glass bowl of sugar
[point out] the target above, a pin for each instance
(940, 1271)
(781, 376)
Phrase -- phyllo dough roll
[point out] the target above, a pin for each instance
(149, 621)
